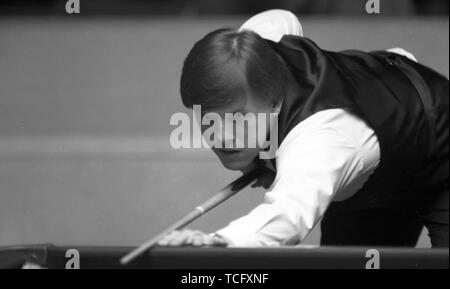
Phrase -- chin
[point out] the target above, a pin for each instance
(238, 162)
(236, 165)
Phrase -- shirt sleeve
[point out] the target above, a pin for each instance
(317, 162)
(403, 52)
(274, 24)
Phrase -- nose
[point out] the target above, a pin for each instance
(226, 137)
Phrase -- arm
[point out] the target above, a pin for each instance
(327, 157)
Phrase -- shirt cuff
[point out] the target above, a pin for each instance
(238, 238)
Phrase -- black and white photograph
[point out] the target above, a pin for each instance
(224, 143)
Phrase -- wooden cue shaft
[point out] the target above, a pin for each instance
(214, 201)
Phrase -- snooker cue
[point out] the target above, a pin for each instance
(211, 203)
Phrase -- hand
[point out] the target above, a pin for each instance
(192, 238)
(265, 178)
(32, 265)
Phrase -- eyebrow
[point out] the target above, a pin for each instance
(240, 111)
(244, 111)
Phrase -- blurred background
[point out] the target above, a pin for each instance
(225, 7)
(85, 103)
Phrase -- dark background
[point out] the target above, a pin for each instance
(224, 7)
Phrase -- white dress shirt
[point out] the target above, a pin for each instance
(325, 158)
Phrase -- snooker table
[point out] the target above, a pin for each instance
(60, 257)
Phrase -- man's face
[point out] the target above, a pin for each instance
(242, 136)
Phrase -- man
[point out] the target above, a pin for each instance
(363, 137)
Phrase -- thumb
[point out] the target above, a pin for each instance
(215, 240)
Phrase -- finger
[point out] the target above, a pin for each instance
(179, 239)
(212, 241)
(190, 237)
(197, 240)
(219, 242)
(259, 182)
(186, 237)
(216, 241)
(165, 240)
(31, 265)
(208, 241)
(268, 182)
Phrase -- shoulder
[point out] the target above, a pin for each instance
(274, 24)
(335, 130)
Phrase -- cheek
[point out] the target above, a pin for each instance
(241, 162)
(258, 131)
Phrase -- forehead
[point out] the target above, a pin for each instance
(238, 103)
(242, 103)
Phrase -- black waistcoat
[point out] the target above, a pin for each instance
(404, 102)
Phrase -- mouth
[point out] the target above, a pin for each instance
(230, 151)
